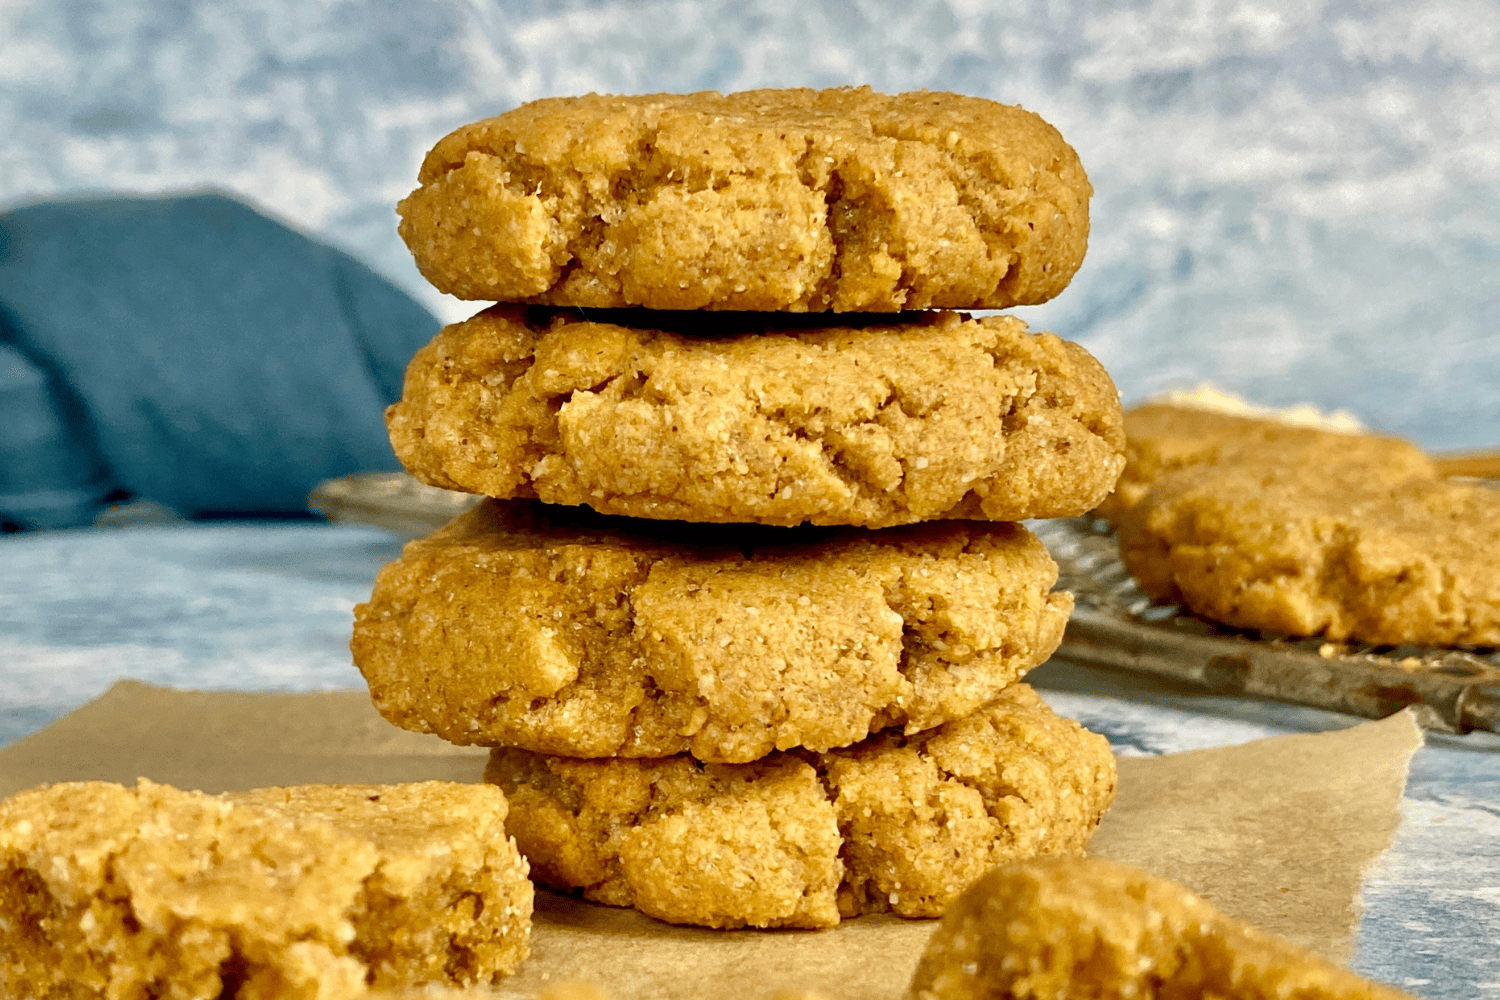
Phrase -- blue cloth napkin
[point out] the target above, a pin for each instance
(191, 351)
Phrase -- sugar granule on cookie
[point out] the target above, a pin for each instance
(1162, 437)
(896, 823)
(768, 200)
(316, 891)
(1344, 551)
(932, 418)
(1063, 928)
(563, 631)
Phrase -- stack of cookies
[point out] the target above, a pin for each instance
(745, 621)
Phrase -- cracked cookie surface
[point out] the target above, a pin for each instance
(941, 417)
(896, 823)
(568, 632)
(1347, 552)
(1162, 438)
(769, 200)
(315, 891)
(1087, 928)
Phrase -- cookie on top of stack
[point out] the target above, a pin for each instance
(746, 618)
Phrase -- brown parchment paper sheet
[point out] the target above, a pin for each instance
(1277, 832)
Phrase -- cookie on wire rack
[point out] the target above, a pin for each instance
(1343, 552)
(1162, 437)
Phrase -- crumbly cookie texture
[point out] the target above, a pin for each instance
(315, 892)
(799, 839)
(1065, 928)
(1343, 552)
(564, 631)
(769, 200)
(1163, 437)
(942, 417)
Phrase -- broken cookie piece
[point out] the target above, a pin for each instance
(1065, 928)
(316, 892)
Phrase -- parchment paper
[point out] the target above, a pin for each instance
(1277, 832)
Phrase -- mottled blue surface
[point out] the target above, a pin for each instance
(241, 606)
(1297, 201)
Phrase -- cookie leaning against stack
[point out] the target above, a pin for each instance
(786, 649)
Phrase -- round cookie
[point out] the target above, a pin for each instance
(940, 417)
(1341, 551)
(1164, 437)
(768, 200)
(896, 823)
(563, 631)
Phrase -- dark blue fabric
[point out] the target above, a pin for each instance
(191, 351)
(51, 476)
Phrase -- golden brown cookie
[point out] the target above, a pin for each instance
(1340, 551)
(769, 200)
(798, 839)
(313, 891)
(938, 418)
(564, 631)
(1088, 929)
(1164, 437)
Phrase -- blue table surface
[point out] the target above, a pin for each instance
(267, 606)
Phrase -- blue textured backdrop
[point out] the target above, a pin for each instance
(1296, 201)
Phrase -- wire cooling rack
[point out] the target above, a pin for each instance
(391, 500)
